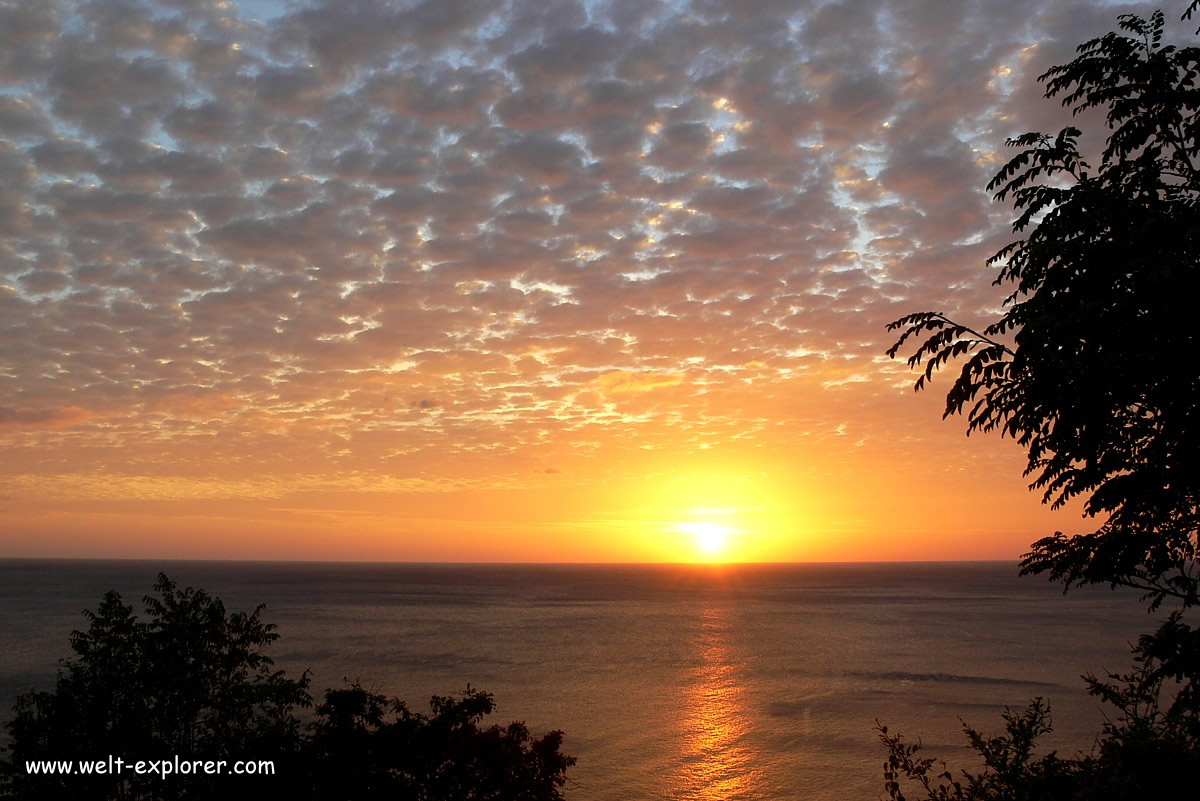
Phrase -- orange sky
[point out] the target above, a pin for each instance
(554, 282)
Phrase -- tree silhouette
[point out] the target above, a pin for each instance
(189, 681)
(1097, 384)
(193, 682)
(1100, 388)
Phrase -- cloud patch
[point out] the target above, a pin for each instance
(47, 419)
(401, 242)
(621, 382)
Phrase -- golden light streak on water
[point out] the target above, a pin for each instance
(717, 762)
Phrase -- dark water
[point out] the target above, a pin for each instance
(671, 682)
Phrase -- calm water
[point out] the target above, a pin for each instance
(671, 682)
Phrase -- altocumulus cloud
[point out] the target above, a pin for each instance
(269, 236)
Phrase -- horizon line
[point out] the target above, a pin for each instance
(482, 563)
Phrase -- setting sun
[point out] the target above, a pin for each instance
(709, 537)
(736, 510)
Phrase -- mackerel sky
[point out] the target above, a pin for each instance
(297, 271)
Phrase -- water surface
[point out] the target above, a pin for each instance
(671, 682)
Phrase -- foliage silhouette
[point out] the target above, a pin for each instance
(1147, 751)
(190, 680)
(365, 746)
(193, 682)
(1098, 389)
(1096, 385)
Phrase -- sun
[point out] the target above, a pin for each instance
(731, 513)
(710, 538)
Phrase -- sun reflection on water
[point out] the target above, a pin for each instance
(716, 761)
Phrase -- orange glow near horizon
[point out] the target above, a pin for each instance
(727, 507)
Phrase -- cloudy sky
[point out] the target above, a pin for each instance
(524, 280)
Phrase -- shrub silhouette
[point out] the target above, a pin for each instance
(365, 746)
(1149, 750)
(191, 681)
